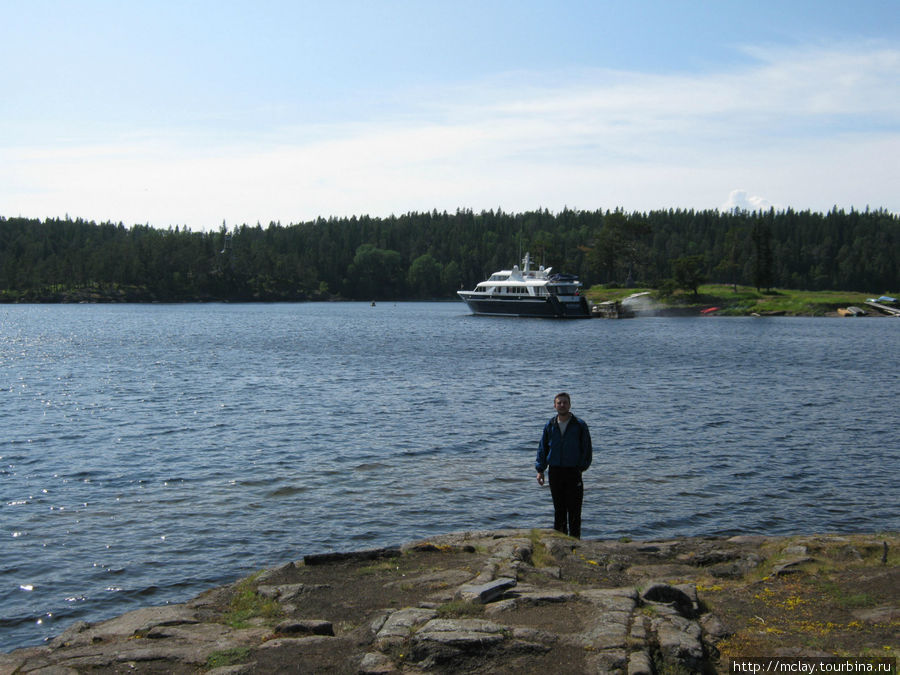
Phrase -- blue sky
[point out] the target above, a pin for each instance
(194, 113)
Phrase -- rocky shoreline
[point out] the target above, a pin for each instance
(518, 601)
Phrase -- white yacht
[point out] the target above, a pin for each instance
(528, 292)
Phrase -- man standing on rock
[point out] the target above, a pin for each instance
(566, 448)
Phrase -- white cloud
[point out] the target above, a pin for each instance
(807, 128)
(741, 199)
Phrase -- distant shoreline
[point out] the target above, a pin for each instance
(727, 300)
(665, 309)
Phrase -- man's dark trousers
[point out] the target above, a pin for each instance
(567, 490)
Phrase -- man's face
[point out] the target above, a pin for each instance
(562, 404)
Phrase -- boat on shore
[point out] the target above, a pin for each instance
(529, 293)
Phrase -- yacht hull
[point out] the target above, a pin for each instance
(552, 307)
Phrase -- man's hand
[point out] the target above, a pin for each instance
(540, 478)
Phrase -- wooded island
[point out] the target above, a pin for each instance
(432, 255)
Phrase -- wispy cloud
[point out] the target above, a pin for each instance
(806, 127)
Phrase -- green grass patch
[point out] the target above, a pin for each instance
(378, 568)
(540, 556)
(457, 609)
(838, 593)
(247, 604)
(663, 667)
(227, 657)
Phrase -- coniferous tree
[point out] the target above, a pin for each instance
(762, 256)
(687, 272)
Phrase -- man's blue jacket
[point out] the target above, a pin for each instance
(570, 450)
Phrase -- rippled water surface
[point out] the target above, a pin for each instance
(150, 452)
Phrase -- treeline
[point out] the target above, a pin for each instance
(431, 255)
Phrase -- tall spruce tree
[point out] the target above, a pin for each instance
(763, 266)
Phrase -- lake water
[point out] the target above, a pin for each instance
(149, 452)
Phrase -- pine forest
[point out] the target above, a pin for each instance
(431, 255)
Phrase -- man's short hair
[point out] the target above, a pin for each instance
(561, 395)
